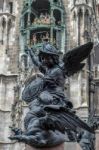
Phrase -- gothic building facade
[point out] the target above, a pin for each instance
(64, 23)
(9, 62)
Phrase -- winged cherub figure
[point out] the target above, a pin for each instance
(51, 119)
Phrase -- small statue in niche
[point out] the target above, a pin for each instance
(51, 119)
(46, 37)
(47, 19)
(35, 20)
(59, 23)
(42, 18)
(52, 20)
(34, 39)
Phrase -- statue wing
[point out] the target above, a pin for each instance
(63, 119)
(73, 59)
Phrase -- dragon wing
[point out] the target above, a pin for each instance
(73, 59)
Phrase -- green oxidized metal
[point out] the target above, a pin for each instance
(43, 20)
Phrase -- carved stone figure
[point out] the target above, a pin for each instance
(51, 119)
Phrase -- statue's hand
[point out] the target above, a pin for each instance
(16, 131)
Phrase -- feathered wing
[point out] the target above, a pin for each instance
(73, 59)
(64, 119)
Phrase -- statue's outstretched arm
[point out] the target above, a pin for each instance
(34, 58)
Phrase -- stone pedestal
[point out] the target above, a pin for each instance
(72, 146)
(60, 147)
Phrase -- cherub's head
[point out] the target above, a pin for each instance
(48, 55)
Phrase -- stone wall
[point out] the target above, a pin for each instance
(9, 66)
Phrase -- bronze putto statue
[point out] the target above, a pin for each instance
(51, 119)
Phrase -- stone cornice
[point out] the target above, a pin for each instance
(96, 80)
(9, 75)
(7, 14)
(79, 5)
(2, 142)
(81, 107)
(5, 111)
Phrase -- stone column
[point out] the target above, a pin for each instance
(0, 30)
(4, 6)
(77, 29)
(28, 24)
(59, 147)
(83, 26)
(51, 17)
(80, 87)
(97, 140)
(5, 33)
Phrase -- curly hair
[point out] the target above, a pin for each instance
(54, 57)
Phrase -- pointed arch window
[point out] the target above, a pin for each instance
(26, 20)
(74, 23)
(97, 9)
(86, 19)
(57, 17)
(87, 1)
(3, 30)
(74, 2)
(80, 16)
(11, 7)
(9, 31)
(1, 5)
(57, 2)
